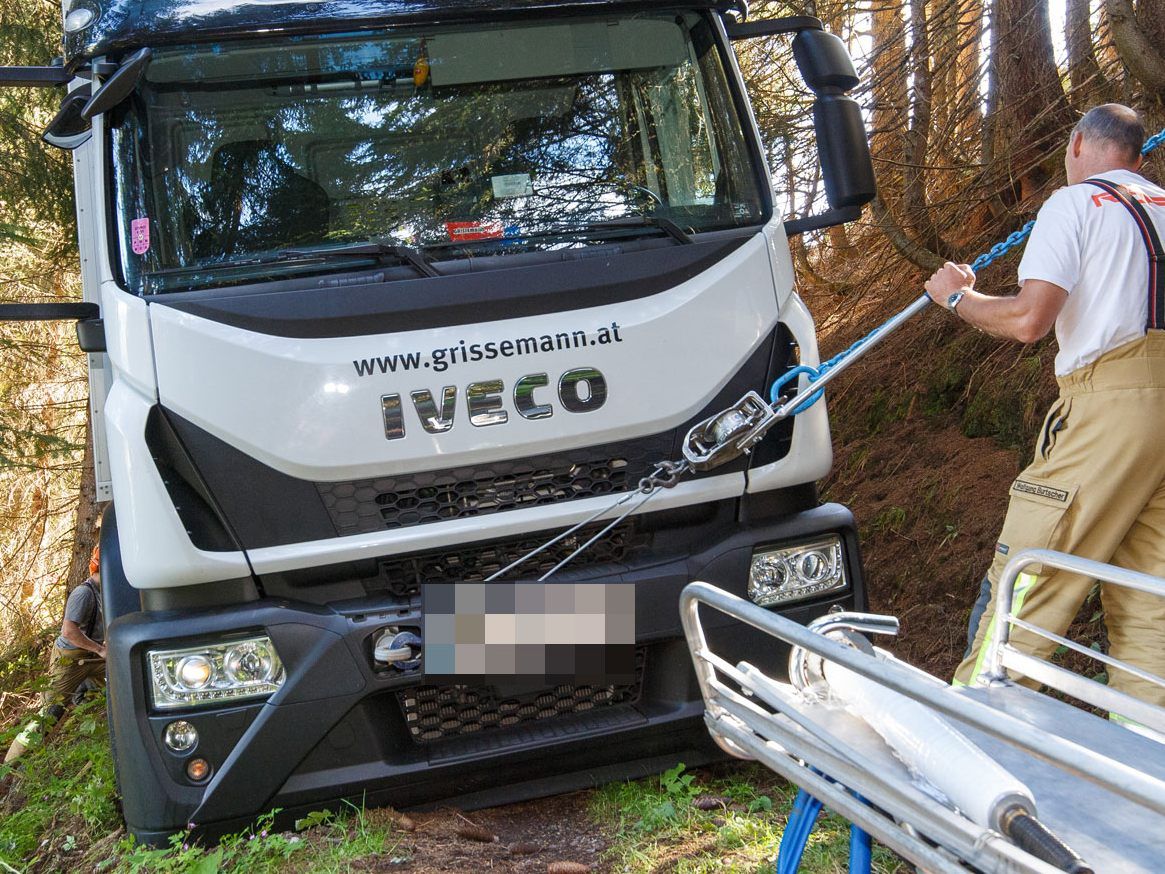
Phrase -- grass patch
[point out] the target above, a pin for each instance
(890, 520)
(327, 845)
(658, 825)
(1008, 406)
(62, 791)
(885, 408)
(59, 812)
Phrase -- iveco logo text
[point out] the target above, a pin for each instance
(581, 390)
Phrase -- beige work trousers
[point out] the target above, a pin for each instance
(68, 669)
(1096, 489)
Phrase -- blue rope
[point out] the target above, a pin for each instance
(799, 827)
(861, 851)
(861, 847)
(797, 831)
(993, 254)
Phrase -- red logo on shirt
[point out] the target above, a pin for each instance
(1101, 198)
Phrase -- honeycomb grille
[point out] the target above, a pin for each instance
(435, 713)
(366, 506)
(405, 575)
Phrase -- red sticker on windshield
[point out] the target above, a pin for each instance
(139, 235)
(469, 231)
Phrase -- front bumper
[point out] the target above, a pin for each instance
(337, 728)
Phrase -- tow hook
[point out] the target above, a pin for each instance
(400, 649)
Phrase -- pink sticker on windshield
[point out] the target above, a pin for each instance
(139, 234)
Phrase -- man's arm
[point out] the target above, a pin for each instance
(1026, 317)
(72, 632)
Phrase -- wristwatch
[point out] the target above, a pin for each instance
(953, 300)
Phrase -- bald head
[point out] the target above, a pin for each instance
(1108, 137)
(1116, 126)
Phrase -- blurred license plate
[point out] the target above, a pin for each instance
(562, 632)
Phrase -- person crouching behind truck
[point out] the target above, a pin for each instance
(78, 656)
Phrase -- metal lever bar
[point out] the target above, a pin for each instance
(857, 351)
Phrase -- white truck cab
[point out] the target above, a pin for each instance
(379, 298)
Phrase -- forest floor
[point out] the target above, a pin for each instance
(928, 500)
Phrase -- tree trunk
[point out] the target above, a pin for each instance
(991, 110)
(1033, 115)
(918, 134)
(1109, 58)
(1135, 45)
(1088, 84)
(943, 26)
(969, 73)
(890, 101)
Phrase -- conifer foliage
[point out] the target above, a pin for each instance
(43, 388)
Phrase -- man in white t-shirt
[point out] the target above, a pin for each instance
(1096, 487)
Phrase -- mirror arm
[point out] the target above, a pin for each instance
(793, 24)
(826, 219)
(47, 312)
(90, 326)
(119, 85)
(33, 77)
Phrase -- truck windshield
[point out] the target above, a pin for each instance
(245, 162)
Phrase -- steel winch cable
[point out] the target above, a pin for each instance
(733, 432)
(665, 475)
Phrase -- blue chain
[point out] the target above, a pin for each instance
(1000, 249)
(1153, 142)
(994, 253)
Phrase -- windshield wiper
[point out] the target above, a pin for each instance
(607, 228)
(373, 250)
(406, 254)
(646, 221)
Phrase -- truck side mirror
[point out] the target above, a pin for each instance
(69, 129)
(826, 68)
(842, 147)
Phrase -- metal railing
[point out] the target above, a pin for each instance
(753, 716)
(1002, 655)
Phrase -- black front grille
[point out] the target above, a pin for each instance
(404, 575)
(435, 713)
(371, 505)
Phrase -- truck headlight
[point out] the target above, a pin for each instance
(793, 573)
(214, 673)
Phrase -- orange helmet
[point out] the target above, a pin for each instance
(94, 560)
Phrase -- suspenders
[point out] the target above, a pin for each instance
(1152, 246)
(91, 626)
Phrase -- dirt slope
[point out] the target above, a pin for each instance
(929, 500)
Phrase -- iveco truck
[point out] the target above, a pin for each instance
(381, 296)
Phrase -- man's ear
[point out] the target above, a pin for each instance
(1076, 143)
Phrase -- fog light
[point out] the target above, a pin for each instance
(214, 673)
(793, 573)
(180, 736)
(198, 770)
